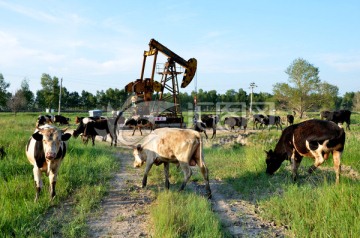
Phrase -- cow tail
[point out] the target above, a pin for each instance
(116, 123)
(201, 152)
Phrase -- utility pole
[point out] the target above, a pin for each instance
(60, 96)
(252, 86)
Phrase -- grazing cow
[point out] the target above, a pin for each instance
(207, 121)
(2, 152)
(272, 120)
(312, 138)
(258, 119)
(61, 120)
(200, 126)
(236, 121)
(172, 145)
(45, 150)
(139, 123)
(340, 116)
(289, 119)
(42, 120)
(93, 128)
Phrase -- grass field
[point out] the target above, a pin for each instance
(312, 207)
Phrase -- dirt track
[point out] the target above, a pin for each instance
(124, 212)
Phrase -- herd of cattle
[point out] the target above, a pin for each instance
(314, 138)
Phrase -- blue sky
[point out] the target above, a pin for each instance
(96, 45)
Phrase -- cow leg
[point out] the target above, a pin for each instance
(205, 174)
(38, 182)
(140, 130)
(205, 133)
(214, 133)
(147, 169)
(187, 174)
(337, 164)
(295, 163)
(54, 167)
(93, 139)
(134, 131)
(166, 172)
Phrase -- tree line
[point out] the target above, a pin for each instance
(303, 92)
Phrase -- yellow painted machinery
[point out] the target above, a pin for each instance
(148, 90)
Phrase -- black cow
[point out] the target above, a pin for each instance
(272, 120)
(340, 116)
(61, 120)
(258, 119)
(289, 119)
(96, 128)
(313, 138)
(139, 123)
(231, 122)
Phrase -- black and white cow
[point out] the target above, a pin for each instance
(207, 121)
(45, 150)
(91, 129)
(138, 123)
(258, 119)
(272, 120)
(313, 138)
(44, 119)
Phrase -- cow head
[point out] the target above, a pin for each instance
(139, 156)
(80, 129)
(273, 162)
(51, 138)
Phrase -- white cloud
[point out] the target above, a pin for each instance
(29, 12)
(342, 63)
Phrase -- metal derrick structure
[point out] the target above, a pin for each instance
(167, 89)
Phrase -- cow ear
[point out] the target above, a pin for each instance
(65, 136)
(138, 147)
(37, 136)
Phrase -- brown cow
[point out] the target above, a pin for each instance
(172, 145)
(45, 151)
(312, 138)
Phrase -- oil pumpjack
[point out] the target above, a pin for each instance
(165, 104)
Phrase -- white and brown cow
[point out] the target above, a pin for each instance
(172, 145)
(312, 138)
(45, 150)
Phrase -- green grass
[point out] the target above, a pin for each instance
(82, 179)
(177, 214)
(312, 207)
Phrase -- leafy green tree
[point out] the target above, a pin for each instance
(304, 89)
(347, 101)
(327, 96)
(88, 100)
(28, 94)
(17, 101)
(50, 90)
(4, 95)
(73, 100)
